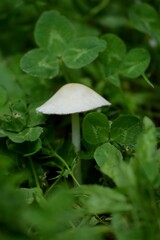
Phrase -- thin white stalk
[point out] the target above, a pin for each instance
(76, 141)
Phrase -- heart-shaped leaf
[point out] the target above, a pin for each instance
(112, 56)
(108, 158)
(95, 128)
(135, 63)
(53, 31)
(126, 129)
(145, 18)
(28, 134)
(83, 51)
(40, 63)
(115, 51)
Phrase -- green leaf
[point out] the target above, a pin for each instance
(125, 130)
(115, 51)
(112, 56)
(82, 51)
(16, 120)
(29, 134)
(53, 31)
(99, 200)
(40, 63)
(108, 158)
(145, 18)
(146, 150)
(135, 63)
(95, 128)
(26, 148)
(110, 161)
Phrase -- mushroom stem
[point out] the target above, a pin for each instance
(76, 131)
(76, 141)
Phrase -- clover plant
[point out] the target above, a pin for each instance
(112, 47)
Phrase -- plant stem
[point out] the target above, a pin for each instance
(54, 184)
(75, 126)
(34, 173)
(76, 141)
(68, 168)
(99, 7)
(147, 80)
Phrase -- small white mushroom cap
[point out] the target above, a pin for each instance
(73, 98)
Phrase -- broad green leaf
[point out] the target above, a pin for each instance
(112, 56)
(53, 31)
(29, 134)
(135, 63)
(125, 130)
(146, 150)
(40, 63)
(110, 161)
(95, 128)
(145, 18)
(99, 200)
(26, 148)
(114, 53)
(108, 158)
(82, 51)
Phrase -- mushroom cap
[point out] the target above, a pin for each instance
(73, 98)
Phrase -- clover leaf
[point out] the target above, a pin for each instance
(56, 38)
(83, 51)
(53, 31)
(95, 128)
(28, 134)
(40, 63)
(145, 18)
(117, 62)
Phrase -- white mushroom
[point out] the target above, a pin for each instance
(73, 98)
